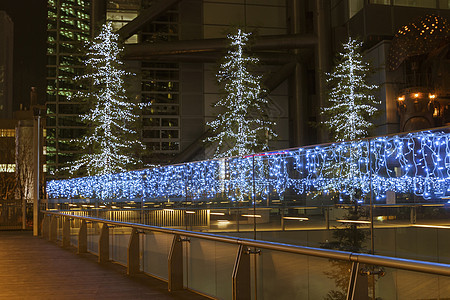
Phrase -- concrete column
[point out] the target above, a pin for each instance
(323, 53)
(297, 99)
(98, 15)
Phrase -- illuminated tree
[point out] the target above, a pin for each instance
(243, 126)
(352, 102)
(110, 141)
(24, 163)
(8, 180)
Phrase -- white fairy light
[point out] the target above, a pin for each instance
(243, 127)
(106, 145)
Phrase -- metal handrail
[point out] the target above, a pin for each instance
(384, 261)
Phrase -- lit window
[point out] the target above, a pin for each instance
(7, 132)
(7, 168)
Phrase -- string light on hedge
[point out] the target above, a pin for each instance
(416, 163)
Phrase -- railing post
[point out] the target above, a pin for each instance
(176, 264)
(103, 244)
(358, 285)
(45, 227)
(66, 232)
(133, 266)
(241, 275)
(82, 237)
(53, 229)
(413, 215)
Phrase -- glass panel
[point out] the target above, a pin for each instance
(414, 242)
(170, 146)
(385, 2)
(316, 196)
(300, 277)
(210, 267)
(402, 285)
(118, 244)
(59, 227)
(444, 4)
(355, 6)
(74, 231)
(416, 3)
(155, 252)
(93, 230)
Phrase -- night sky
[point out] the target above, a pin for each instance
(30, 25)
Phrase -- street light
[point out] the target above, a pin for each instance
(38, 113)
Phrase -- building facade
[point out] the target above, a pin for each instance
(69, 26)
(407, 43)
(174, 47)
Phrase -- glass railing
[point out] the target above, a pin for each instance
(224, 267)
(380, 195)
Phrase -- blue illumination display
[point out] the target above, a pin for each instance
(416, 163)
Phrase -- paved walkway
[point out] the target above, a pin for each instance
(33, 268)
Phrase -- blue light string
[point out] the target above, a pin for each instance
(416, 163)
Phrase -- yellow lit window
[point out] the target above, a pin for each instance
(7, 132)
(7, 168)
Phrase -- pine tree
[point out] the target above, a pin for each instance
(110, 140)
(351, 99)
(243, 127)
(352, 103)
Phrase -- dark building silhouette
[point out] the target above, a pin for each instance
(29, 52)
(6, 65)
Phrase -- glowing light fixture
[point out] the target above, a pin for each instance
(296, 218)
(252, 216)
(354, 221)
(431, 226)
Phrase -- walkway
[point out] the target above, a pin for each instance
(33, 268)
